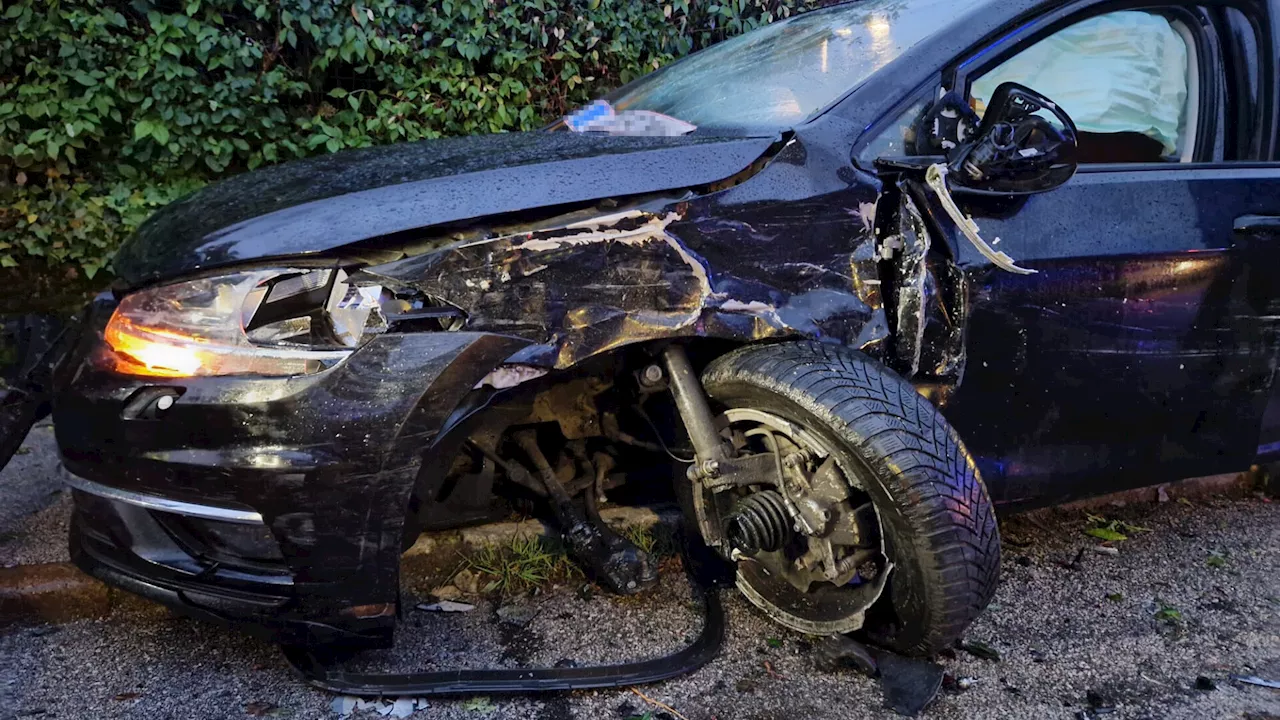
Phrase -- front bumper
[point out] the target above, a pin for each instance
(276, 502)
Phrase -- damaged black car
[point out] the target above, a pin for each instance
(841, 286)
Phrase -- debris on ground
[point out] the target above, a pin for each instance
(479, 704)
(841, 651)
(909, 684)
(979, 649)
(1111, 530)
(446, 606)
(1074, 563)
(467, 582)
(347, 705)
(958, 684)
(1205, 684)
(1098, 705)
(1105, 550)
(1099, 701)
(1255, 680)
(516, 613)
(657, 704)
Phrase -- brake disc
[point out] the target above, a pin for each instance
(806, 538)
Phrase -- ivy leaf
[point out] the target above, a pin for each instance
(1105, 533)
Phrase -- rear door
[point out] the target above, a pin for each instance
(1145, 347)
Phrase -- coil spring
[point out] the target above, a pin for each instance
(759, 522)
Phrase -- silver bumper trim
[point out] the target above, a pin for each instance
(154, 502)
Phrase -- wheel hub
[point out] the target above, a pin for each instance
(806, 537)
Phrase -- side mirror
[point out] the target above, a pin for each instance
(1026, 144)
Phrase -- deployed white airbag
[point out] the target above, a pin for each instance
(1119, 72)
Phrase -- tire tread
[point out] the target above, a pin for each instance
(920, 460)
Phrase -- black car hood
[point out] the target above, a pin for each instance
(323, 203)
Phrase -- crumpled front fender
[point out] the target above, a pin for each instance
(790, 252)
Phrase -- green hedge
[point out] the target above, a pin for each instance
(109, 110)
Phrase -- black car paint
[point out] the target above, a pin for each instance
(324, 203)
(1157, 322)
(789, 250)
(328, 460)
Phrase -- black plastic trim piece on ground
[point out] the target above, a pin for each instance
(520, 680)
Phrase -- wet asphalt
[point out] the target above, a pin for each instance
(1153, 631)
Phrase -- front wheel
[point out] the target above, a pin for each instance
(868, 471)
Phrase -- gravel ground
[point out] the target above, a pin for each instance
(32, 478)
(1068, 638)
(34, 504)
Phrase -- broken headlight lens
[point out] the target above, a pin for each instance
(266, 322)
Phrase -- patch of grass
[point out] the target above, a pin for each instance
(522, 563)
(643, 537)
(527, 561)
(1216, 560)
(657, 540)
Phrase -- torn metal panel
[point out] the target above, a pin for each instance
(912, 276)
(695, 267)
(946, 310)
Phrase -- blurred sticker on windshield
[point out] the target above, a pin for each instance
(582, 119)
(599, 116)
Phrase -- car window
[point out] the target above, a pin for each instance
(897, 139)
(788, 71)
(1128, 79)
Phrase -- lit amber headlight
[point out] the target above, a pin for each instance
(266, 322)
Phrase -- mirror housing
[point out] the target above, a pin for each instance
(1026, 144)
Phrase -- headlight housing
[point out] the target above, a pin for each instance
(262, 322)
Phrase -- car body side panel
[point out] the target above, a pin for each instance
(788, 253)
(1144, 349)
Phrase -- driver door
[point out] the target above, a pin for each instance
(1144, 347)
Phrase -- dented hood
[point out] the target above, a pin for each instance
(323, 203)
